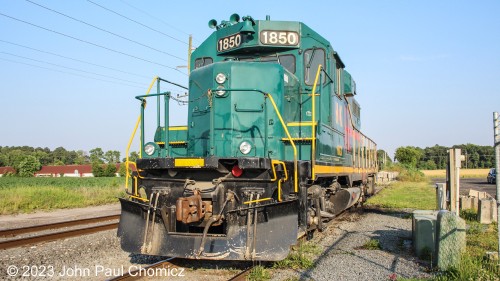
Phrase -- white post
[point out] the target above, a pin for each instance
(458, 165)
(496, 129)
(453, 178)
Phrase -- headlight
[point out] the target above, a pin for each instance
(220, 91)
(220, 78)
(149, 149)
(245, 147)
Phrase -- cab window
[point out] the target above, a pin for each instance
(202, 62)
(313, 58)
(287, 61)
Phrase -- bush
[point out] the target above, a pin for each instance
(407, 173)
(28, 166)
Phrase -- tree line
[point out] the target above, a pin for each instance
(436, 157)
(27, 160)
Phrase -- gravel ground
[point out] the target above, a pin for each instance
(342, 258)
(96, 257)
(99, 256)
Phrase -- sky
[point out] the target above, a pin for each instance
(427, 72)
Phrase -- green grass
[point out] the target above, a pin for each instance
(26, 195)
(405, 195)
(259, 273)
(301, 256)
(372, 244)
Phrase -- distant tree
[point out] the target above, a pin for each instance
(3, 160)
(96, 155)
(134, 155)
(123, 169)
(58, 162)
(112, 156)
(408, 155)
(28, 166)
(116, 154)
(110, 170)
(97, 169)
(81, 157)
(15, 157)
(60, 154)
(383, 159)
(43, 157)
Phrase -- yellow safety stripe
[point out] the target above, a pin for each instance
(320, 169)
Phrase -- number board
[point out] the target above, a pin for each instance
(277, 37)
(229, 42)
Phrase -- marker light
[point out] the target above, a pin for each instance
(220, 91)
(236, 171)
(220, 78)
(245, 147)
(149, 149)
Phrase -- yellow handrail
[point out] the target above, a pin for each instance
(277, 162)
(127, 151)
(295, 165)
(256, 201)
(313, 142)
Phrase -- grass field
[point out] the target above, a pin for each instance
(26, 195)
(405, 195)
(480, 238)
(464, 173)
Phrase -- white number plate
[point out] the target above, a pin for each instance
(285, 38)
(229, 42)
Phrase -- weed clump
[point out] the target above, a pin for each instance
(301, 257)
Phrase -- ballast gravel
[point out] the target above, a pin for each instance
(99, 256)
(344, 258)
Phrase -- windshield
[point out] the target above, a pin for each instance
(287, 61)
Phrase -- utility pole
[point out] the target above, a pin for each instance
(190, 48)
(496, 130)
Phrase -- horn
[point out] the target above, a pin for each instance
(234, 19)
(247, 27)
(212, 24)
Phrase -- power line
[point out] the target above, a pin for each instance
(70, 68)
(104, 30)
(75, 74)
(91, 43)
(154, 17)
(73, 59)
(132, 20)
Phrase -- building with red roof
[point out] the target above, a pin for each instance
(6, 170)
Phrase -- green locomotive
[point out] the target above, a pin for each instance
(272, 148)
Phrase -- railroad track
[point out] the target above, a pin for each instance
(242, 276)
(136, 274)
(56, 235)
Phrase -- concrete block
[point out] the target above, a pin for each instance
(469, 203)
(478, 194)
(424, 233)
(450, 239)
(487, 212)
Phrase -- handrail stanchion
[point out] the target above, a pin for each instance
(295, 165)
(127, 151)
(313, 140)
(167, 124)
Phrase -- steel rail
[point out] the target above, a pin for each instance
(134, 275)
(242, 276)
(36, 228)
(55, 236)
